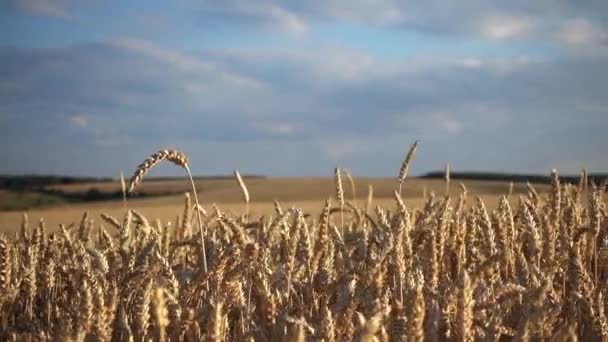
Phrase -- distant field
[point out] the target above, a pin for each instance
(305, 193)
(14, 200)
(292, 189)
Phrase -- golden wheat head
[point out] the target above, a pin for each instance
(242, 185)
(406, 165)
(176, 157)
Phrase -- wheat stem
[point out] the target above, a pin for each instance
(406, 165)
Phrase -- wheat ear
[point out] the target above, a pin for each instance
(406, 164)
(351, 181)
(244, 191)
(340, 194)
(447, 179)
(178, 158)
(123, 189)
(370, 198)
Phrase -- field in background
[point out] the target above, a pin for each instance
(305, 193)
(13, 200)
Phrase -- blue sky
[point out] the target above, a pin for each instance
(292, 88)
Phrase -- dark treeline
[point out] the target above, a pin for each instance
(212, 177)
(596, 178)
(39, 182)
(36, 182)
(93, 194)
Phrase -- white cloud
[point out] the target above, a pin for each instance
(446, 123)
(177, 59)
(45, 8)
(276, 128)
(185, 63)
(581, 31)
(343, 148)
(495, 20)
(472, 63)
(109, 141)
(499, 27)
(507, 66)
(288, 21)
(79, 121)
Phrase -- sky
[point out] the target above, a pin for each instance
(296, 88)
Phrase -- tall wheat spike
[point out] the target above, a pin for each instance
(406, 164)
(123, 189)
(5, 265)
(339, 194)
(584, 181)
(351, 181)
(370, 198)
(447, 179)
(244, 192)
(180, 159)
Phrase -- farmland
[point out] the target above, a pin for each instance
(304, 192)
(331, 259)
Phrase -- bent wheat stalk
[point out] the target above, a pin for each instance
(178, 158)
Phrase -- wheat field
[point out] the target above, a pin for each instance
(532, 265)
(306, 193)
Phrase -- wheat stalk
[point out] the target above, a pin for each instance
(370, 198)
(447, 179)
(180, 159)
(123, 189)
(584, 180)
(244, 192)
(351, 181)
(406, 164)
(339, 195)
